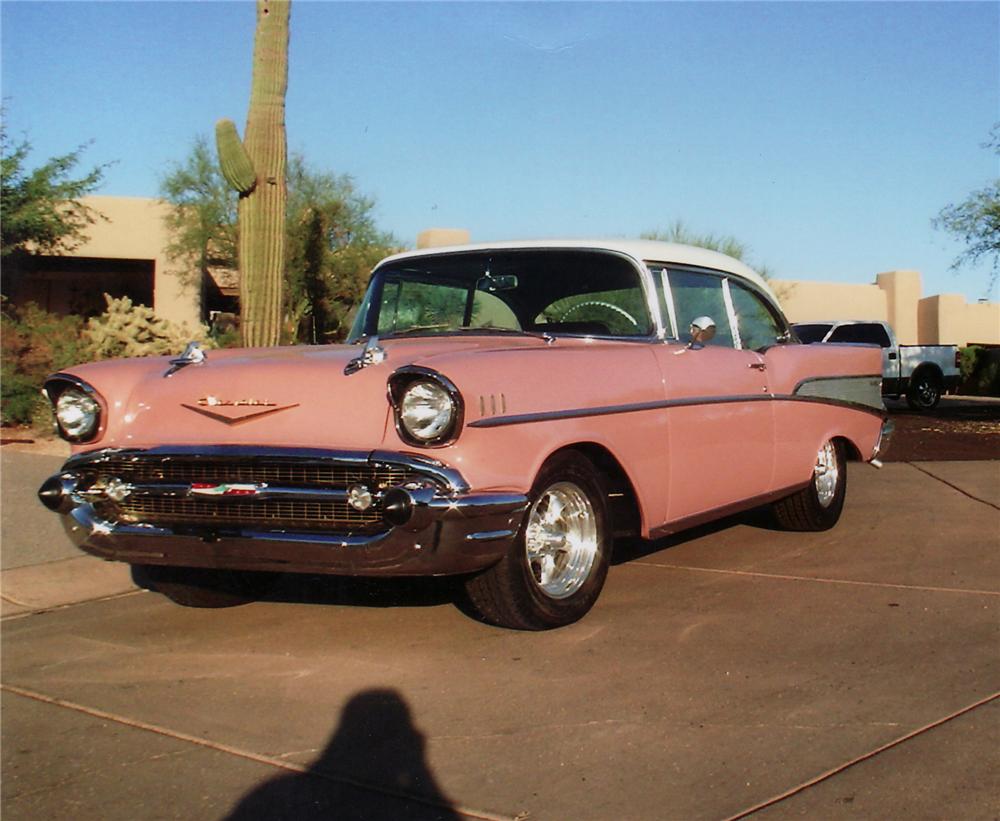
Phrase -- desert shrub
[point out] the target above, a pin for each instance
(980, 371)
(34, 343)
(126, 329)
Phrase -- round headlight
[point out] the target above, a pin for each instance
(427, 411)
(77, 413)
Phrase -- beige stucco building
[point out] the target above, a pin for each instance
(126, 255)
(897, 298)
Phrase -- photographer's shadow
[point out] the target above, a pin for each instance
(373, 769)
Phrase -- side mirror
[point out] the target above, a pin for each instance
(702, 331)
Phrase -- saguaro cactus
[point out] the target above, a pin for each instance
(255, 167)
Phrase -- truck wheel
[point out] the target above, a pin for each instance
(557, 564)
(204, 587)
(924, 391)
(818, 506)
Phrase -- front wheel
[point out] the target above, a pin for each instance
(204, 587)
(817, 506)
(924, 391)
(556, 567)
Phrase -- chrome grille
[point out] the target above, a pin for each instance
(263, 513)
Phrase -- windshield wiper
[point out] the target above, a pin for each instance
(548, 338)
(416, 329)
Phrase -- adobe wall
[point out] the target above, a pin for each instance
(815, 301)
(947, 319)
(134, 229)
(895, 297)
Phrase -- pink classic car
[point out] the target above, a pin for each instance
(500, 412)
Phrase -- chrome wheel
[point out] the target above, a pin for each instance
(826, 474)
(561, 539)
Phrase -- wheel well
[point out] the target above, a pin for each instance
(928, 368)
(623, 504)
(851, 452)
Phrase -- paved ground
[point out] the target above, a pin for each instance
(850, 674)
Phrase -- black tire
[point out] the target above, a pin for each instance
(204, 587)
(818, 506)
(924, 391)
(515, 592)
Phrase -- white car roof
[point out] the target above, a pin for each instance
(641, 250)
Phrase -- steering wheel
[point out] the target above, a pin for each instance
(600, 303)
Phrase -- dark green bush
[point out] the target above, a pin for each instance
(34, 343)
(980, 371)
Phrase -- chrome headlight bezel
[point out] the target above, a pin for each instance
(77, 408)
(405, 387)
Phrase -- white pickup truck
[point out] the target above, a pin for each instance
(921, 373)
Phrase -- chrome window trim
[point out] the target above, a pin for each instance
(640, 267)
(734, 325)
(725, 276)
(668, 300)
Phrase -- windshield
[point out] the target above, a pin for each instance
(812, 332)
(588, 293)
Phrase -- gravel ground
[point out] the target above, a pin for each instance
(960, 429)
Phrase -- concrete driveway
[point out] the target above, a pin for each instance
(731, 670)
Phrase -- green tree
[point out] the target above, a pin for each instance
(40, 209)
(976, 221)
(333, 245)
(333, 240)
(679, 232)
(202, 223)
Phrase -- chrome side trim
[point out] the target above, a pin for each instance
(636, 407)
(610, 410)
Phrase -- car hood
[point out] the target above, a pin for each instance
(292, 396)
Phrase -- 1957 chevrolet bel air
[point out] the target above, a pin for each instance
(501, 412)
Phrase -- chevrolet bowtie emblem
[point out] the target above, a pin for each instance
(235, 411)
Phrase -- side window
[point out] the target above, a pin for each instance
(695, 295)
(759, 326)
(868, 333)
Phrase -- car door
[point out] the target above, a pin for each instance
(720, 422)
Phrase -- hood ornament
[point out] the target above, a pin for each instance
(371, 355)
(193, 355)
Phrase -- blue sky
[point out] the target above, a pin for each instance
(824, 135)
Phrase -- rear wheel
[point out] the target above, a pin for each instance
(924, 391)
(204, 587)
(818, 506)
(556, 567)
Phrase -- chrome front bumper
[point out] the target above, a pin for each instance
(436, 530)
(882, 445)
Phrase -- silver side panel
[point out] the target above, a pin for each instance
(854, 390)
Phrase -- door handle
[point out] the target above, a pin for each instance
(757, 366)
